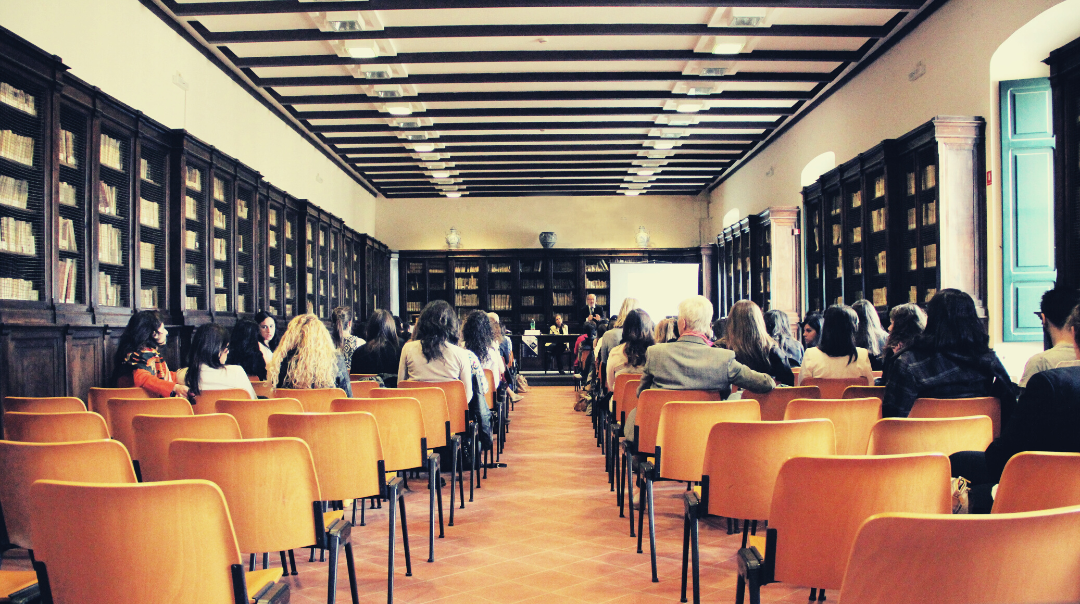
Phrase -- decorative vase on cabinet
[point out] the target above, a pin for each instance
(453, 239)
(548, 239)
(642, 237)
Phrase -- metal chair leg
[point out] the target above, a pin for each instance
(695, 544)
(460, 473)
(652, 528)
(431, 517)
(351, 566)
(331, 583)
(284, 564)
(685, 554)
(266, 560)
(251, 567)
(641, 513)
(453, 476)
(405, 536)
(292, 563)
(628, 472)
(393, 494)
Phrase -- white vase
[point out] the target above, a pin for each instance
(453, 239)
(642, 237)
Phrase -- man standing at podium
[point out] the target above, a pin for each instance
(591, 312)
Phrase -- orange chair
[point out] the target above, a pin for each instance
(894, 435)
(205, 402)
(818, 505)
(110, 552)
(21, 464)
(739, 470)
(252, 415)
(347, 453)
(122, 410)
(437, 432)
(363, 388)
(611, 422)
(461, 423)
(154, 434)
(272, 491)
(646, 423)
(959, 407)
(499, 408)
(1038, 481)
(314, 400)
(623, 407)
(98, 398)
(865, 392)
(54, 427)
(403, 430)
(833, 387)
(681, 434)
(43, 404)
(774, 402)
(1000, 558)
(358, 376)
(853, 419)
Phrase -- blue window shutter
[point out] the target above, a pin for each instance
(1027, 205)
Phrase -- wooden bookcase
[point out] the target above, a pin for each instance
(1065, 85)
(757, 259)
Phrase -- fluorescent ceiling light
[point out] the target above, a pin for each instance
(399, 109)
(749, 16)
(424, 148)
(700, 90)
(441, 174)
(709, 71)
(643, 172)
(452, 194)
(416, 136)
(635, 192)
(663, 145)
(688, 107)
(366, 51)
(728, 45)
(353, 25)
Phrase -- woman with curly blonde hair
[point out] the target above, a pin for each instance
(307, 358)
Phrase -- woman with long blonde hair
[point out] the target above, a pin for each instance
(665, 331)
(753, 346)
(307, 358)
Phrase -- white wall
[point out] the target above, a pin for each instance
(579, 222)
(124, 49)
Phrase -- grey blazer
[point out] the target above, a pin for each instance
(691, 364)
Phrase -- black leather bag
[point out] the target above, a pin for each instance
(481, 417)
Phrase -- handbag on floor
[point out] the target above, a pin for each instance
(522, 383)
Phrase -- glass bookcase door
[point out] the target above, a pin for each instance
(222, 193)
(598, 282)
(71, 236)
(275, 243)
(500, 285)
(877, 239)
(112, 206)
(533, 288)
(927, 197)
(729, 270)
(764, 266)
(245, 247)
(311, 252)
(815, 270)
(22, 194)
(292, 260)
(323, 273)
(196, 187)
(563, 287)
(416, 288)
(466, 286)
(855, 236)
(151, 224)
(834, 248)
(335, 266)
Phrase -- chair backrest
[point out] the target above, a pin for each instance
(683, 430)
(206, 401)
(490, 394)
(852, 419)
(1038, 481)
(54, 427)
(43, 404)
(251, 415)
(649, 406)
(819, 503)
(98, 398)
(896, 435)
(363, 388)
(357, 376)
(989, 406)
(269, 485)
(774, 402)
(23, 463)
(742, 460)
(973, 558)
(456, 402)
(833, 387)
(123, 410)
(314, 400)
(617, 389)
(432, 405)
(154, 434)
(864, 392)
(629, 400)
(400, 423)
(263, 389)
(119, 532)
(345, 448)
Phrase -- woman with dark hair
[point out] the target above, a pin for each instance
(380, 354)
(870, 335)
(480, 340)
(344, 340)
(906, 322)
(836, 355)
(811, 329)
(139, 363)
(433, 354)
(951, 359)
(207, 369)
(267, 335)
(752, 345)
(637, 336)
(244, 349)
(779, 327)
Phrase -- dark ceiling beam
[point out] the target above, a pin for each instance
(386, 129)
(499, 168)
(193, 9)
(517, 113)
(535, 193)
(630, 155)
(551, 185)
(546, 56)
(538, 30)
(527, 149)
(512, 176)
(573, 95)
(544, 77)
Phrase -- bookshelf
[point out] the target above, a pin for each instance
(248, 208)
(292, 261)
(1065, 86)
(192, 230)
(758, 259)
(151, 221)
(222, 232)
(274, 252)
(72, 161)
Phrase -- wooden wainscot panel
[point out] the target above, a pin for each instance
(33, 362)
(85, 348)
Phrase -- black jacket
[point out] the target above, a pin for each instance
(370, 359)
(778, 366)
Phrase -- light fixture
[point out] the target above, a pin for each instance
(452, 194)
(749, 16)
(416, 136)
(643, 172)
(407, 124)
(388, 93)
(399, 109)
(688, 107)
(363, 51)
(728, 45)
(353, 25)
(424, 148)
(377, 72)
(441, 174)
(663, 145)
(700, 90)
(632, 193)
(713, 71)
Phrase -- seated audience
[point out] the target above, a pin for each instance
(870, 335)
(752, 344)
(245, 349)
(267, 332)
(478, 339)
(836, 355)
(344, 340)
(951, 359)
(629, 357)
(811, 329)
(404, 332)
(665, 331)
(504, 348)
(380, 354)
(207, 369)
(583, 347)
(906, 322)
(307, 358)
(433, 355)
(718, 333)
(779, 327)
(613, 334)
(557, 349)
(1056, 305)
(138, 361)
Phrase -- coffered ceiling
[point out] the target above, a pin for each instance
(509, 98)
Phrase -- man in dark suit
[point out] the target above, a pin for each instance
(591, 312)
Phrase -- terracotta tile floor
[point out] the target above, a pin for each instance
(544, 529)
